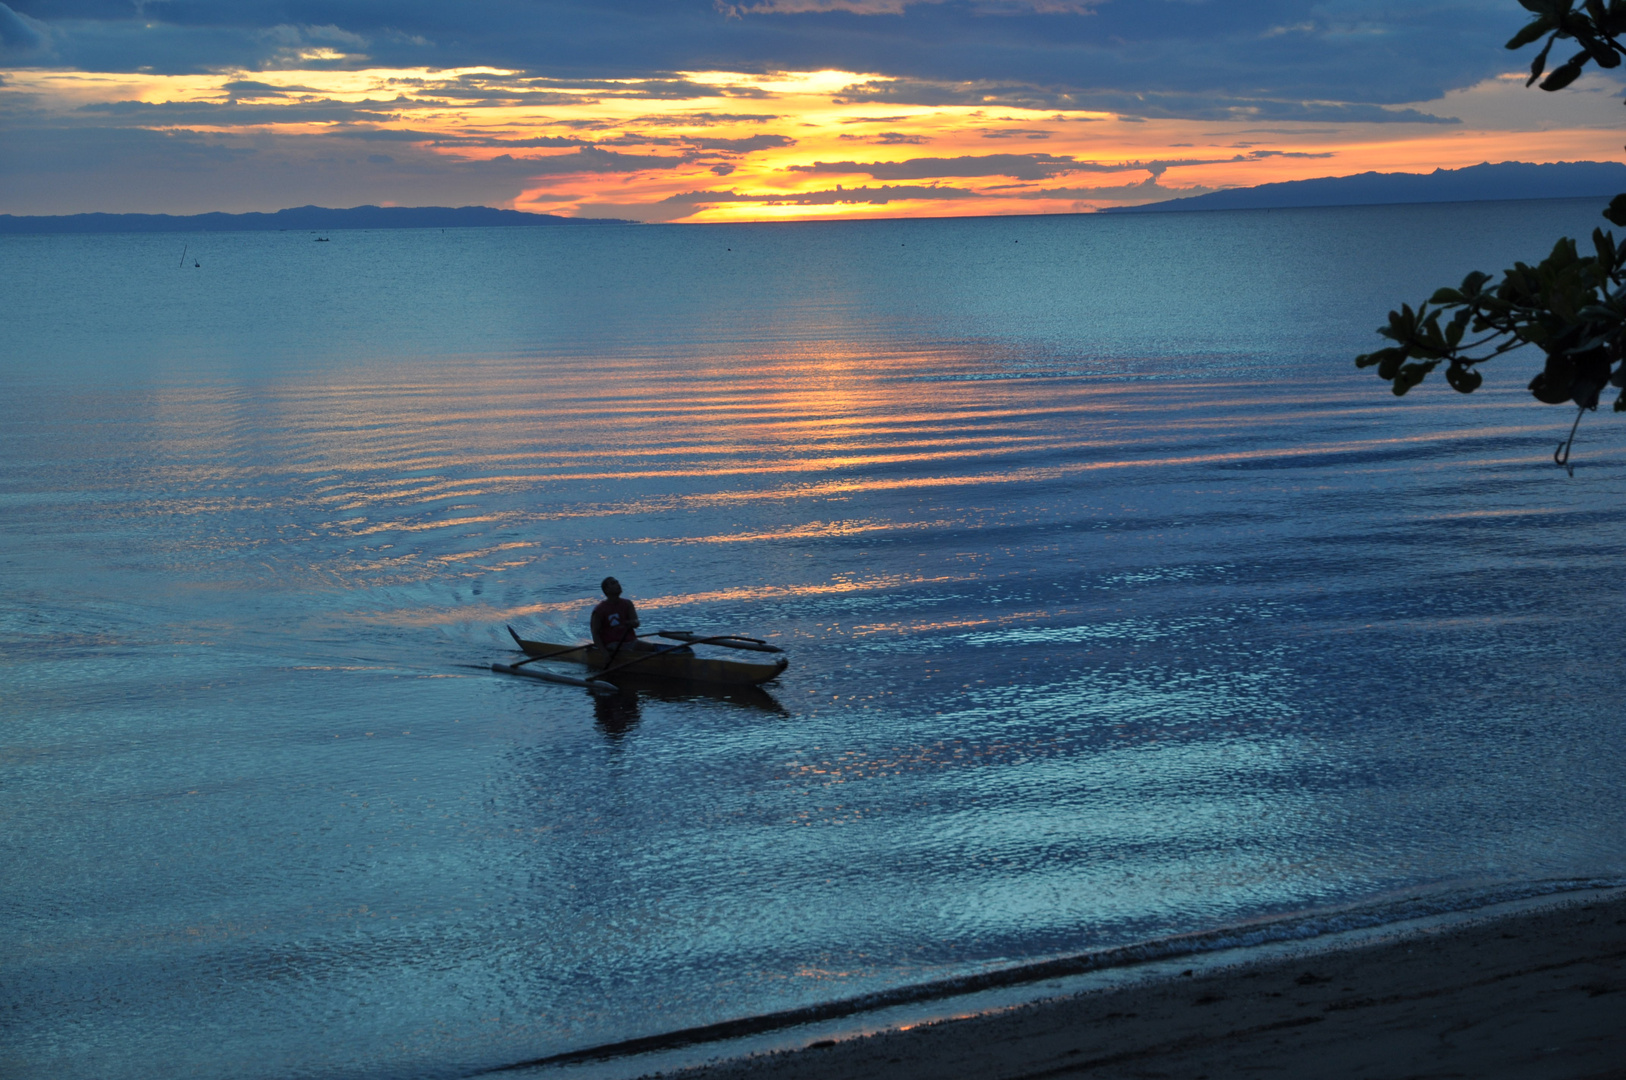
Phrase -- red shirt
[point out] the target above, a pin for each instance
(615, 620)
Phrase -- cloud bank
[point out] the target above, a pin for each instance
(808, 107)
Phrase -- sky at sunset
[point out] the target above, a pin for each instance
(695, 110)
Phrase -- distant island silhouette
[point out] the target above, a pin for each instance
(299, 217)
(1508, 180)
(1477, 183)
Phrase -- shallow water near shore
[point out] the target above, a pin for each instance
(1240, 951)
(1119, 605)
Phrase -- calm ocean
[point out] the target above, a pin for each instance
(1119, 605)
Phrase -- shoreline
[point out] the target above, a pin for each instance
(927, 1028)
(1535, 991)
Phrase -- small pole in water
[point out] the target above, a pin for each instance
(183, 254)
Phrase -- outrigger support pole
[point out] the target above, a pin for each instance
(596, 685)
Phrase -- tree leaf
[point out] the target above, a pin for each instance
(1453, 332)
(1571, 307)
(1531, 32)
(1602, 53)
(1539, 64)
(1616, 212)
(1463, 380)
(1565, 73)
(1412, 374)
(1604, 243)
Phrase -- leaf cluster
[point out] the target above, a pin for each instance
(1570, 306)
(1594, 25)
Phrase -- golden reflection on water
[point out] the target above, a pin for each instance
(935, 626)
(465, 441)
(476, 473)
(750, 594)
(802, 532)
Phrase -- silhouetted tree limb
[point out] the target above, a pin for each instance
(1570, 306)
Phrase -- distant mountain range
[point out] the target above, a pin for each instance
(1476, 183)
(301, 217)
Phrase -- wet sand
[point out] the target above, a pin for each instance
(1539, 994)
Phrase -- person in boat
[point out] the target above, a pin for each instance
(615, 620)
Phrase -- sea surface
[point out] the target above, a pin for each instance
(1119, 605)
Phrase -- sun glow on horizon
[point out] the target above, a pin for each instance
(727, 146)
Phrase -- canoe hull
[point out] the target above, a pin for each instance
(678, 663)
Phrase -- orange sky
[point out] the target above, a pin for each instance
(719, 146)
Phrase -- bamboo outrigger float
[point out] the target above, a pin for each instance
(645, 659)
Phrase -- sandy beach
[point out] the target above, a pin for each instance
(1536, 994)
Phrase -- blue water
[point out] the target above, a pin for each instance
(1119, 605)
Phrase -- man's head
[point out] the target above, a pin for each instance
(611, 587)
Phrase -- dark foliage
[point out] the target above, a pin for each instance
(1570, 306)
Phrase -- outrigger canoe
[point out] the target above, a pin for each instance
(645, 659)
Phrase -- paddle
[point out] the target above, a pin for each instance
(670, 648)
(727, 641)
(548, 676)
(687, 639)
(545, 656)
(564, 652)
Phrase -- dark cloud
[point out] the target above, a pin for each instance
(701, 119)
(1020, 166)
(745, 145)
(937, 93)
(117, 169)
(837, 196)
(99, 151)
(676, 207)
(537, 142)
(653, 87)
(1271, 59)
(1143, 105)
(1017, 166)
(234, 114)
(1258, 154)
(635, 138)
(18, 36)
(373, 134)
(487, 97)
(497, 90)
(1146, 191)
(888, 138)
(877, 196)
(590, 159)
(248, 88)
